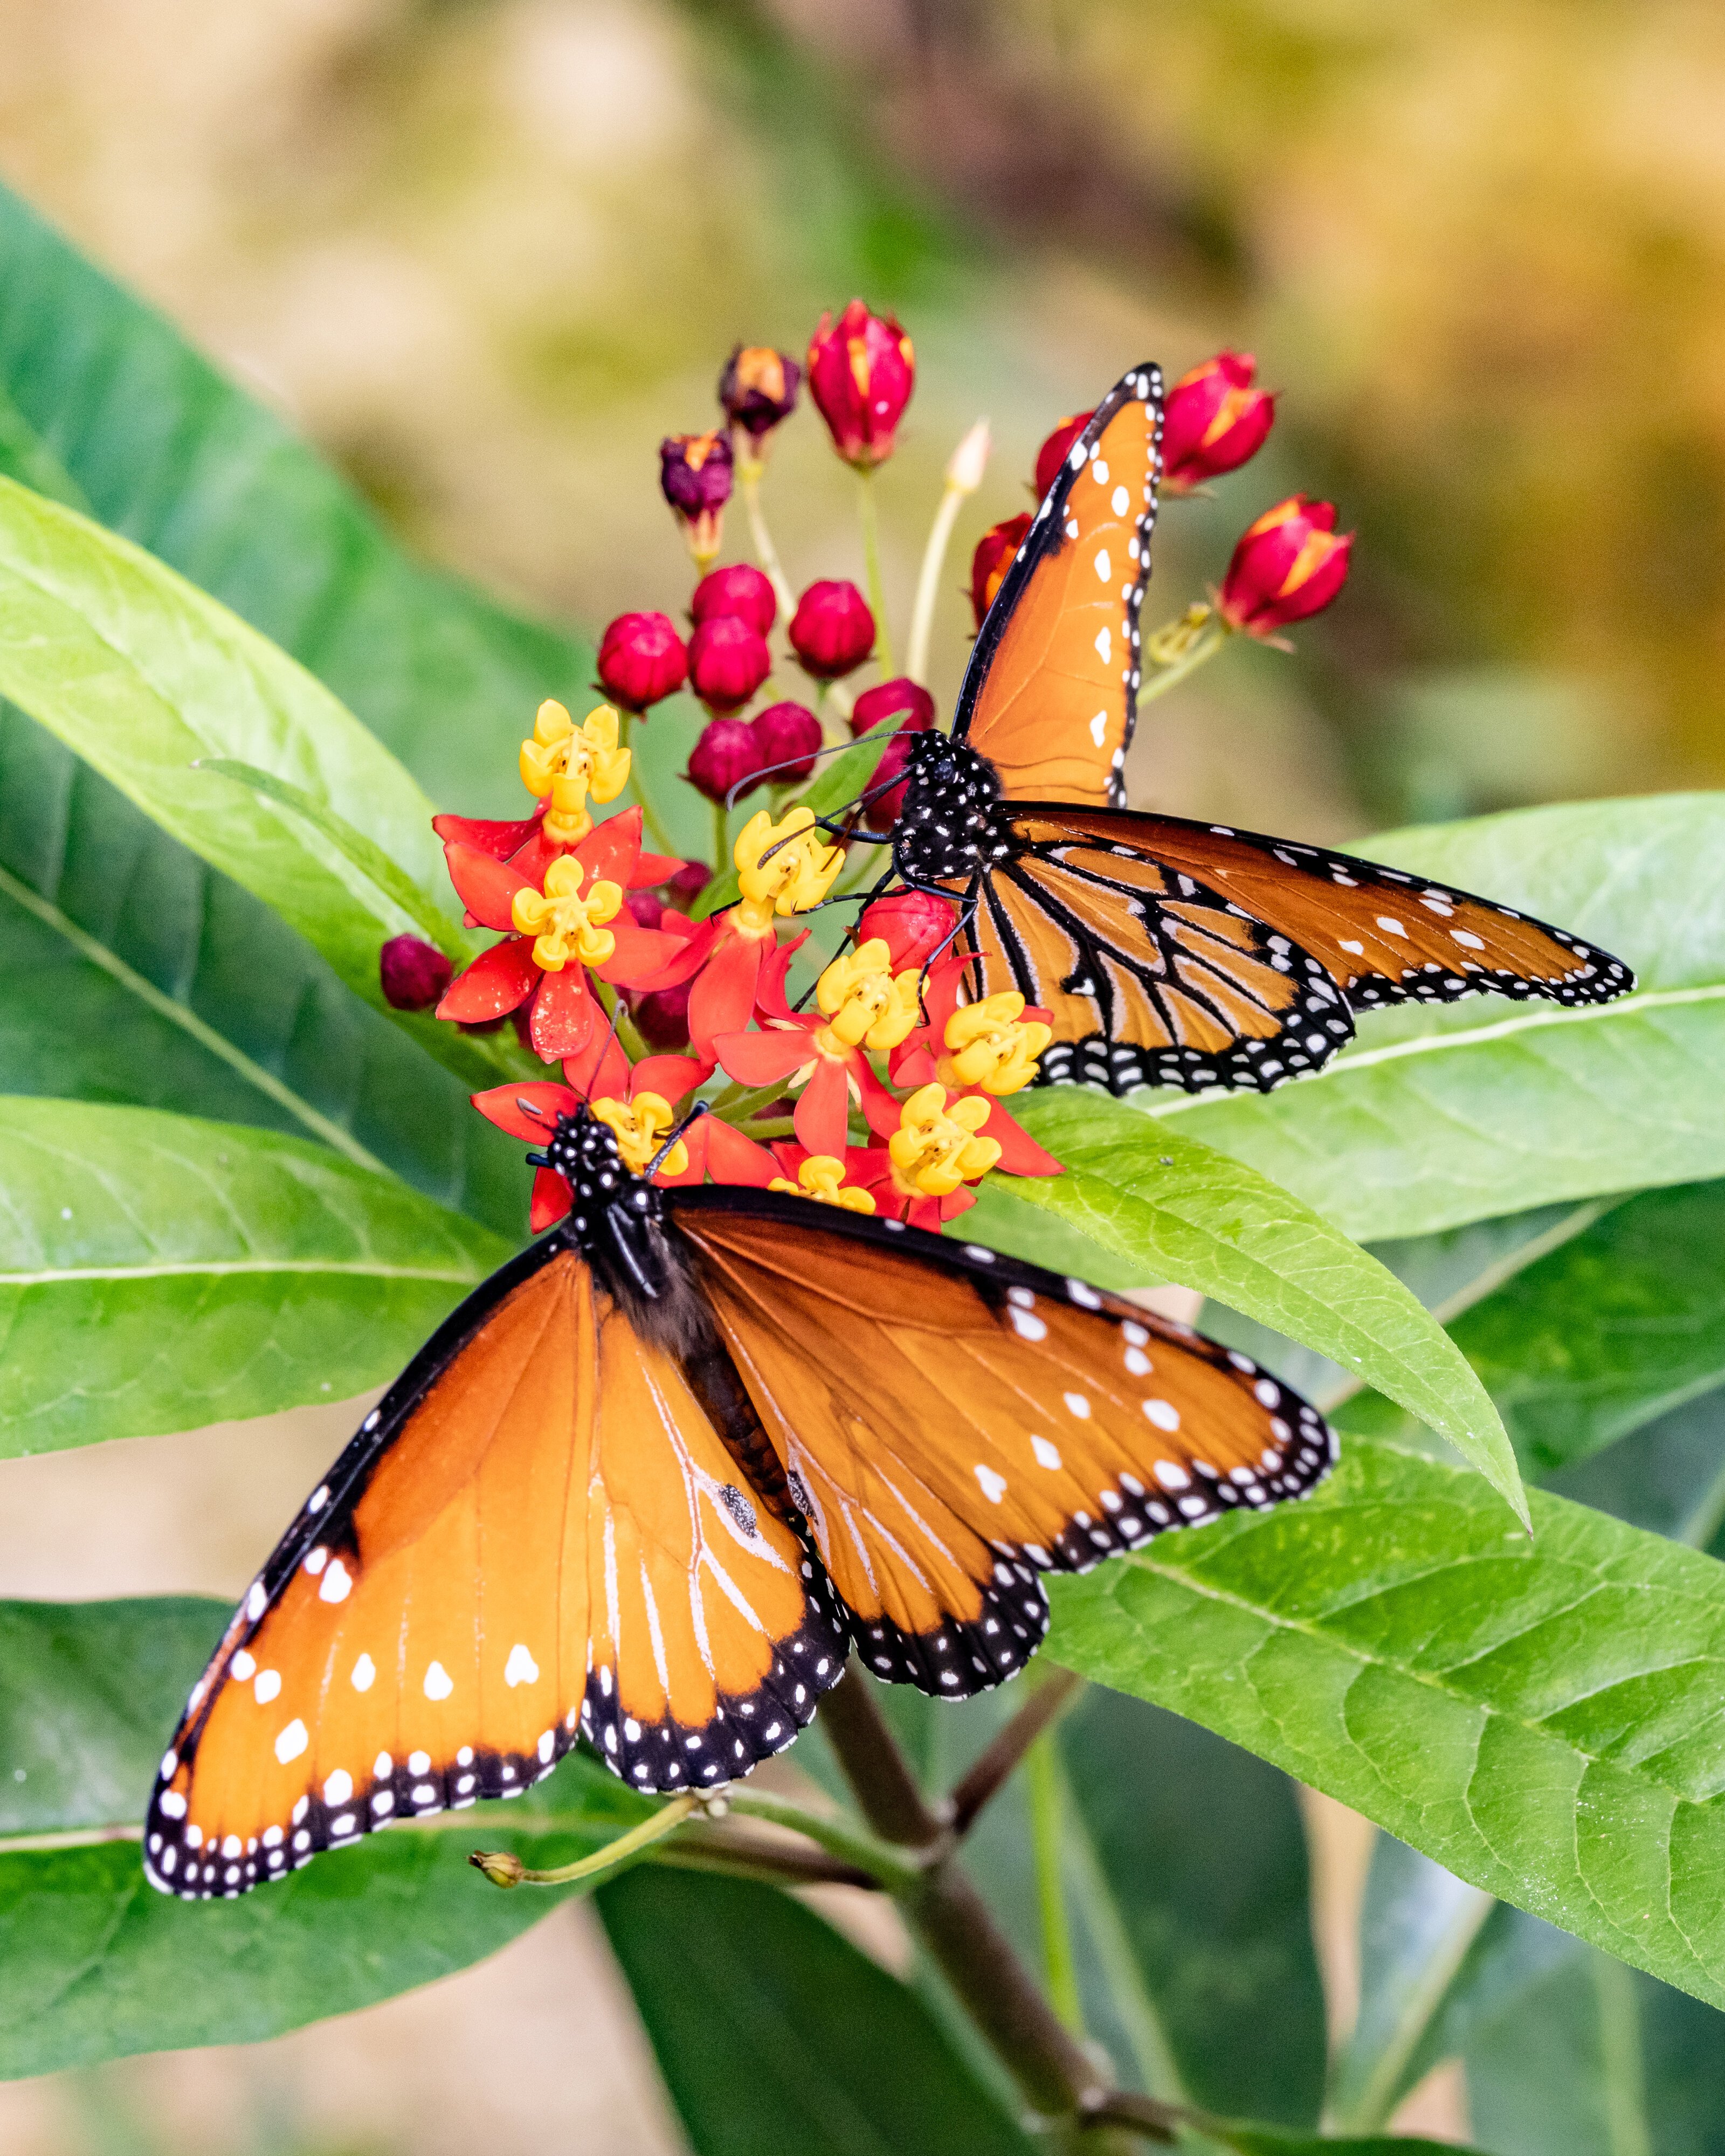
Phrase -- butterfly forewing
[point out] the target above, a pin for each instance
(539, 1531)
(954, 1423)
(1052, 692)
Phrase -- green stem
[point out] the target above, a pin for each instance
(1620, 2057)
(507, 1871)
(871, 567)
(628, 1038)
(851, 1845)
(650, 817)
(722, 838)
(748, 480)
(1042, 1769)
(1170, 676)
(934, 556)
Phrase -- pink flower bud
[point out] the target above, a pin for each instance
(642, 658)
(832, 631)
(412, 973)
(1287, 565)
(1215, 420)
(726, 755)
(647, 906)
(727, 662)
(759, 390)
(695, 478)
(900, 698)
(687, 884)
(662, 1019)
(789, 736)
(861, 371)
(996, 551)
(912, 924)
(738, 590)
(1053, 453)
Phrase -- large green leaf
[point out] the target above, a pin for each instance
(131, 972)
(113, 411)
(157, 1272)
(1210, 1223)
(1444, 1114)
(1540, 1716)
(772, 2032)
(1622, 1323)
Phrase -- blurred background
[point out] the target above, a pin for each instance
(486, 252)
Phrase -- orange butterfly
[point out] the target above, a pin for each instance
(1167, 952)
(651, 1482)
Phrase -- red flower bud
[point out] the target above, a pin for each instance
(1215, 420)
(413, 974)
(738, 590)
(647, 906)
(758, 390)
(727, 662)
(888, 700)
(832, 631)
(1053, 453)
(641, 660)
(726, 755)
(695, 478)
(912, 924)
(662, 1019)
(996, 550)
(861, 371)
(687, 884)
(886, 809)
(789, 736)
(1289, 564)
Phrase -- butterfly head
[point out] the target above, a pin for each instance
(584, 1151)
(949, 826)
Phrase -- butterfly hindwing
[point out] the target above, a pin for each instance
(539, 1530)
(954, 1423)
(1052, 692)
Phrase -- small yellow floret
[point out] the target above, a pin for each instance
(991, 1045)
(868, 1007)
(782, 868)
(640, 1125)
(568, 762)
(565, 925)
(822, 1178)
(936, 1147)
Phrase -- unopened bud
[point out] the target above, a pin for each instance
(499, 1866)
(969, 462)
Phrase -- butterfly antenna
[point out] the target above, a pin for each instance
(788, 763)
(700, 1108)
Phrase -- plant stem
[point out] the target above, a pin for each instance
(1057, 1690)
(1042, 1768)
(506, 1871)
(1620, 2055)
(871, 569)
(705, 1849)
(748, 479)
(637, 793)
(881, 1860)
(1203, 649)
(722, 838)
(934, 557)
(611, 1002)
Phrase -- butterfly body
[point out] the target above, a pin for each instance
(650, 1484)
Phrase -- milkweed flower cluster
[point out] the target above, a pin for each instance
(773, 1038)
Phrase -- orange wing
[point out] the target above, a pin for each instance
(1172, 953)
(951, 1423)
(539, 1529)
(1052, 692)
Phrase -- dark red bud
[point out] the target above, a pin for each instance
(738, 590)
(1214, 421)
(789, 737)
(832, 631)
(1053, 453)
(687, 884)
(758, 389)
(996, 550)
(647, 906)
(1288, 564)
(413, 973)
(642, 659)
(886, 809)
(726, 755)
(901, 698)
(694, 477)
(662, 1019)
(727, 662)
(912, 924)
(861, 371)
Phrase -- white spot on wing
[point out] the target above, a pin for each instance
(993, 1486)
(520, 1668)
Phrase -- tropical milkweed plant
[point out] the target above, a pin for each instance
(245, 1019)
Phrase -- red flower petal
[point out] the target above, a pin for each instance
(689, 954)
(551, 1198)
(612, 849)
(528, 1111)
(762, 1058)
(641, 953)
(1019, 1152)
(493, 985)
(565, 1012)
(823, 1107)
(499, 840)
(655, 868)
(487, 886)
(600, 1071)
(723, 999)
(670, 1076)
(728, 1156)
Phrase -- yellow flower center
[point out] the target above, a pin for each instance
(936, 1147)
(868, 1008)
(822, 1178)
(782, 868)
(563, 923)
(640, 1125)
(568, 762)
(991, 1045)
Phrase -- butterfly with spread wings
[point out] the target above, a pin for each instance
(1167, 952)
(652, 1482)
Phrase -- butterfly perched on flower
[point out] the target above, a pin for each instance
(1167, 952)
(652, 1482)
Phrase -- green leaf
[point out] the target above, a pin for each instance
(130, 972)
(1668, 1477)
(25, 457)
(1252, 2140)
(1539, 1717)
(152, 439)
(838, 784)
(772, 2032)
(157, 1273)
(1622, 1323)
(1213, 1224)
(1445, 1113)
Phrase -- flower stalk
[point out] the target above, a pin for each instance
(871, 565)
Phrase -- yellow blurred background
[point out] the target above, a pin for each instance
(486, 252)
